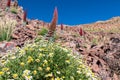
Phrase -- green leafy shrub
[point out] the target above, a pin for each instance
(44, 61)
(95, 41)
(6, 28)
(43, 31)
(56, 36)
(14, 10)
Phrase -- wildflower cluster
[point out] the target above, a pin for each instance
(44, 61)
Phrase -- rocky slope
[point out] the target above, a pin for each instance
(100, 45)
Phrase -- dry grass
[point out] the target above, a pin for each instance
(6, 28)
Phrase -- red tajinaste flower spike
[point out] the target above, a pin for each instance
(55, 15)
(61, 26)
(8, 3)
(24, 16)
(54, 20)
(81, 32)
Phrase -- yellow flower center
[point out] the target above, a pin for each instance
(15, 76)
(5, 69)
(34, 72)
(37, 60)
(22, 64)
(1, 73)
(48, 69)
(30, 59)
(39, 68)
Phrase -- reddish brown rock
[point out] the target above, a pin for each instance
(115, 77)
(95, 68)
(30, 27)
(31, 32)
(15, 36)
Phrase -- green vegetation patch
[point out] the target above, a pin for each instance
(6, 28)
(44, 61)
(43, 31)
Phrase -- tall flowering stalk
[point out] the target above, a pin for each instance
(54, 20)
(81, 32)
(61, 27)
(8, 3)
(52, 27)
(24, 16)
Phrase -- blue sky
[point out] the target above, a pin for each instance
(72, 12)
